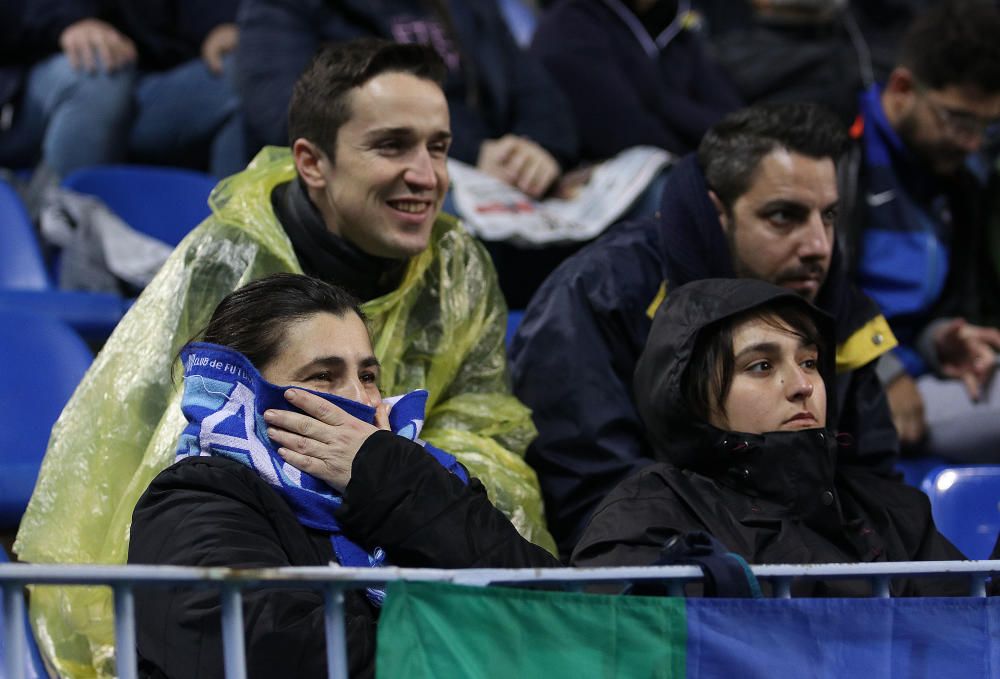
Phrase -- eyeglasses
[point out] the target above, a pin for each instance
(960, 124)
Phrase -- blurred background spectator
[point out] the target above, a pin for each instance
(635, 72)
(88, 82)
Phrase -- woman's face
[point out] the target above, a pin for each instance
(328, 353)
(776, 382)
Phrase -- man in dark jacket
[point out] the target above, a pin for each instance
(85, 82)
(759, 200)
(507, 116)
(918, 242)
(635, 72)
(749, 457)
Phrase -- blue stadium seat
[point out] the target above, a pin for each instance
(33, 666)
(25, 284)
(22, 266)
(93, 315)
(44, 360)
(916, 469)
(966, 506)
(163, 202)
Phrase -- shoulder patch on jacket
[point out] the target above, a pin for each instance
(867, 343)
(661, 294)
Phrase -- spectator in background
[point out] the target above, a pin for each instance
(636, 72)
(917, 228)
(822, 51)
(508, 118)
(758, 200)
(87, 82)
(69, 117)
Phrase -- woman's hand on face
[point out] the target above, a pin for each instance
(382, 416)
(324, 441)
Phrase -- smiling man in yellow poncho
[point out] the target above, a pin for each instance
(355, 201)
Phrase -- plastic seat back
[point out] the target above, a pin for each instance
(22, 266)
(916, 469)
(163, 202)
(966, 506)
(44, 360)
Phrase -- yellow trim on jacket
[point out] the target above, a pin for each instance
(868, 342)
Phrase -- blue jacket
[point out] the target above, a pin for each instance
(916, 233)
(278, 38)
(626, 87)
(576, 349)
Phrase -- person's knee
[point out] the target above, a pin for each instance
(101, 94)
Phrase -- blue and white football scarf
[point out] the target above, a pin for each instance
(224, 402)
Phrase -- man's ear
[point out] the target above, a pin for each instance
(309, 163)
(720, 210)
(900, 95)
(901, 82)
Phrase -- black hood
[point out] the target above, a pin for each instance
(676, 435)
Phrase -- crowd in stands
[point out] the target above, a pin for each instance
(810, 291)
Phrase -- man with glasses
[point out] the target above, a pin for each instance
(917, 229)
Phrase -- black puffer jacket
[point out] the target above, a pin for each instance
(211, 511)
(773, 498)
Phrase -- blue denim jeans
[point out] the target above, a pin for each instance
(70, 118)
(189, 114)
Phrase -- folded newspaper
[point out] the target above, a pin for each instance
(494, 211)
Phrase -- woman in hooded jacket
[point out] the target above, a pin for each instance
(731, 388)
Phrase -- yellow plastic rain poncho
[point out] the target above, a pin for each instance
(442, 329)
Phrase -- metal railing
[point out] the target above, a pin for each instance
(333, 582)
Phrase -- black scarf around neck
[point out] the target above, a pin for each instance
(327, 256)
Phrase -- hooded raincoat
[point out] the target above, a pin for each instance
(778, 497)
(442, 330)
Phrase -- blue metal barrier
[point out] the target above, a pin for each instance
(334, 581)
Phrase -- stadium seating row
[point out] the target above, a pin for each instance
(164, 203)
(46, 358)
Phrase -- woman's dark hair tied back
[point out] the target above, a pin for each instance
(253, 319)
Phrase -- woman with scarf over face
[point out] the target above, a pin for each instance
(731, 388)
(291, 457)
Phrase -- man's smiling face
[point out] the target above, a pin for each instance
(385, 185)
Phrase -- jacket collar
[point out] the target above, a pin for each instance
(793, 469)
(330, 257)
(652, 46)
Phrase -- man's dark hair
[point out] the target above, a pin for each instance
(709, 374)
(253, 319)
(320, 104)
(732, 149)
(955, 43)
